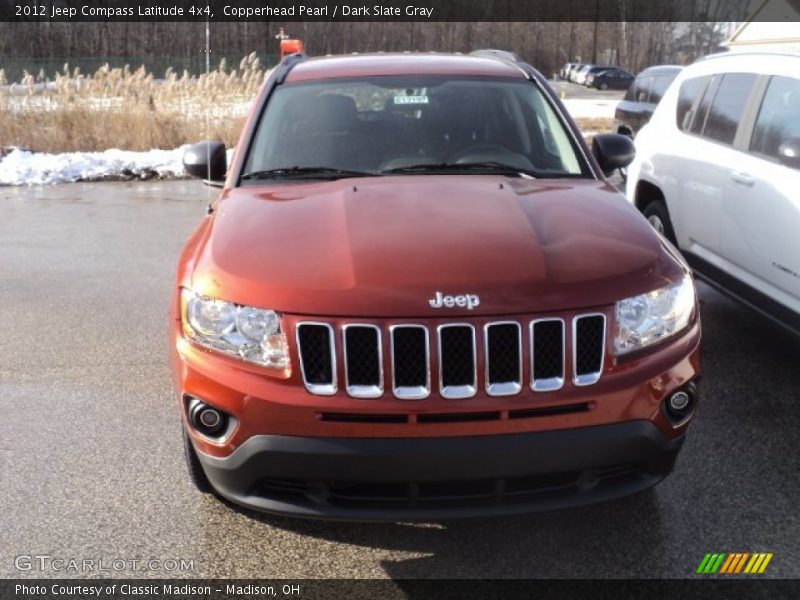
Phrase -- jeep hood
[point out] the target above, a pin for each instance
(383, 246)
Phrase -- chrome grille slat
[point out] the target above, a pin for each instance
(457, 361)
(548, 348)
(407, 372)
(363, 361)
(508, 351)
(588, 348)
(317, 367)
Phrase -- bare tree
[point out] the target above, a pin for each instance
(547, 45)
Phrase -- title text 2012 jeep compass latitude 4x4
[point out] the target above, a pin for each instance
(417, 297)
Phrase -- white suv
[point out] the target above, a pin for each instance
(717, 172)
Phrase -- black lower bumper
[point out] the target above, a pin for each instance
(438, 478)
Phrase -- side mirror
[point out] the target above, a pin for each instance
(789, 152)
(208, 161)
(613, 151)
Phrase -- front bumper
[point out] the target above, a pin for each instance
(438, 478)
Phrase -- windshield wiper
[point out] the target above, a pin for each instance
(302, 172)
(478, 167)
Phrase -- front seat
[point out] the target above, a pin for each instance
(327, 134)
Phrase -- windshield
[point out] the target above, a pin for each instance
(344, 127)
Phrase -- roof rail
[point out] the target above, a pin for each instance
(737, 53)
(505, 55)
(287, 64)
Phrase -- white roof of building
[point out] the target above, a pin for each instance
(775, 24)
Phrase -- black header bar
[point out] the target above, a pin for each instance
(387, 589)
(395, 10)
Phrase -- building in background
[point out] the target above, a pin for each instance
(775, 25)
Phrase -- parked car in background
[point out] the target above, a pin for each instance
(610, 79)
(717, 172)
(589, 70)
(578, 74)
(636, 108)
(565, 70)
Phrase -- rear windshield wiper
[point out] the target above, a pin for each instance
(305, 172)
(478, 167)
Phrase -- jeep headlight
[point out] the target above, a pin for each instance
(252, 334)
(649, 318)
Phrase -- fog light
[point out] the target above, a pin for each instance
(206, 419)
(209, 418)
(678, 401)
(680, 404)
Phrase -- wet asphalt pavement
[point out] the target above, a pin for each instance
(90, 449)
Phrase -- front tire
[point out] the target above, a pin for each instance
(604, 86)
(196, 474)
(657, 215)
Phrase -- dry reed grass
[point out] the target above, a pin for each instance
(126, 109)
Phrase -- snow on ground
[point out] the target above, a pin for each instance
(19, 89)
(591, 108)
(21, 167)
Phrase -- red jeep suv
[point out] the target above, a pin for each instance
(417, 297)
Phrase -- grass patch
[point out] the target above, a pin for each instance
(595, 125)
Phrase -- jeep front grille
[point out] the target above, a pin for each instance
(362, 361)
(503, 358)
(588, 348)
(456, 350)
(547, 355)
(318, 358)
(457, 376)
(411, 375)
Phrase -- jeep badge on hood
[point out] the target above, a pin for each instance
(469, 300)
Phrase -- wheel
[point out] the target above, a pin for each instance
(196, 474)
(604, 86)
(657, 215)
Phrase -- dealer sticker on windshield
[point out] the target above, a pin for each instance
(410, 99)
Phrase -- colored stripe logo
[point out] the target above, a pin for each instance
(734, 562)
